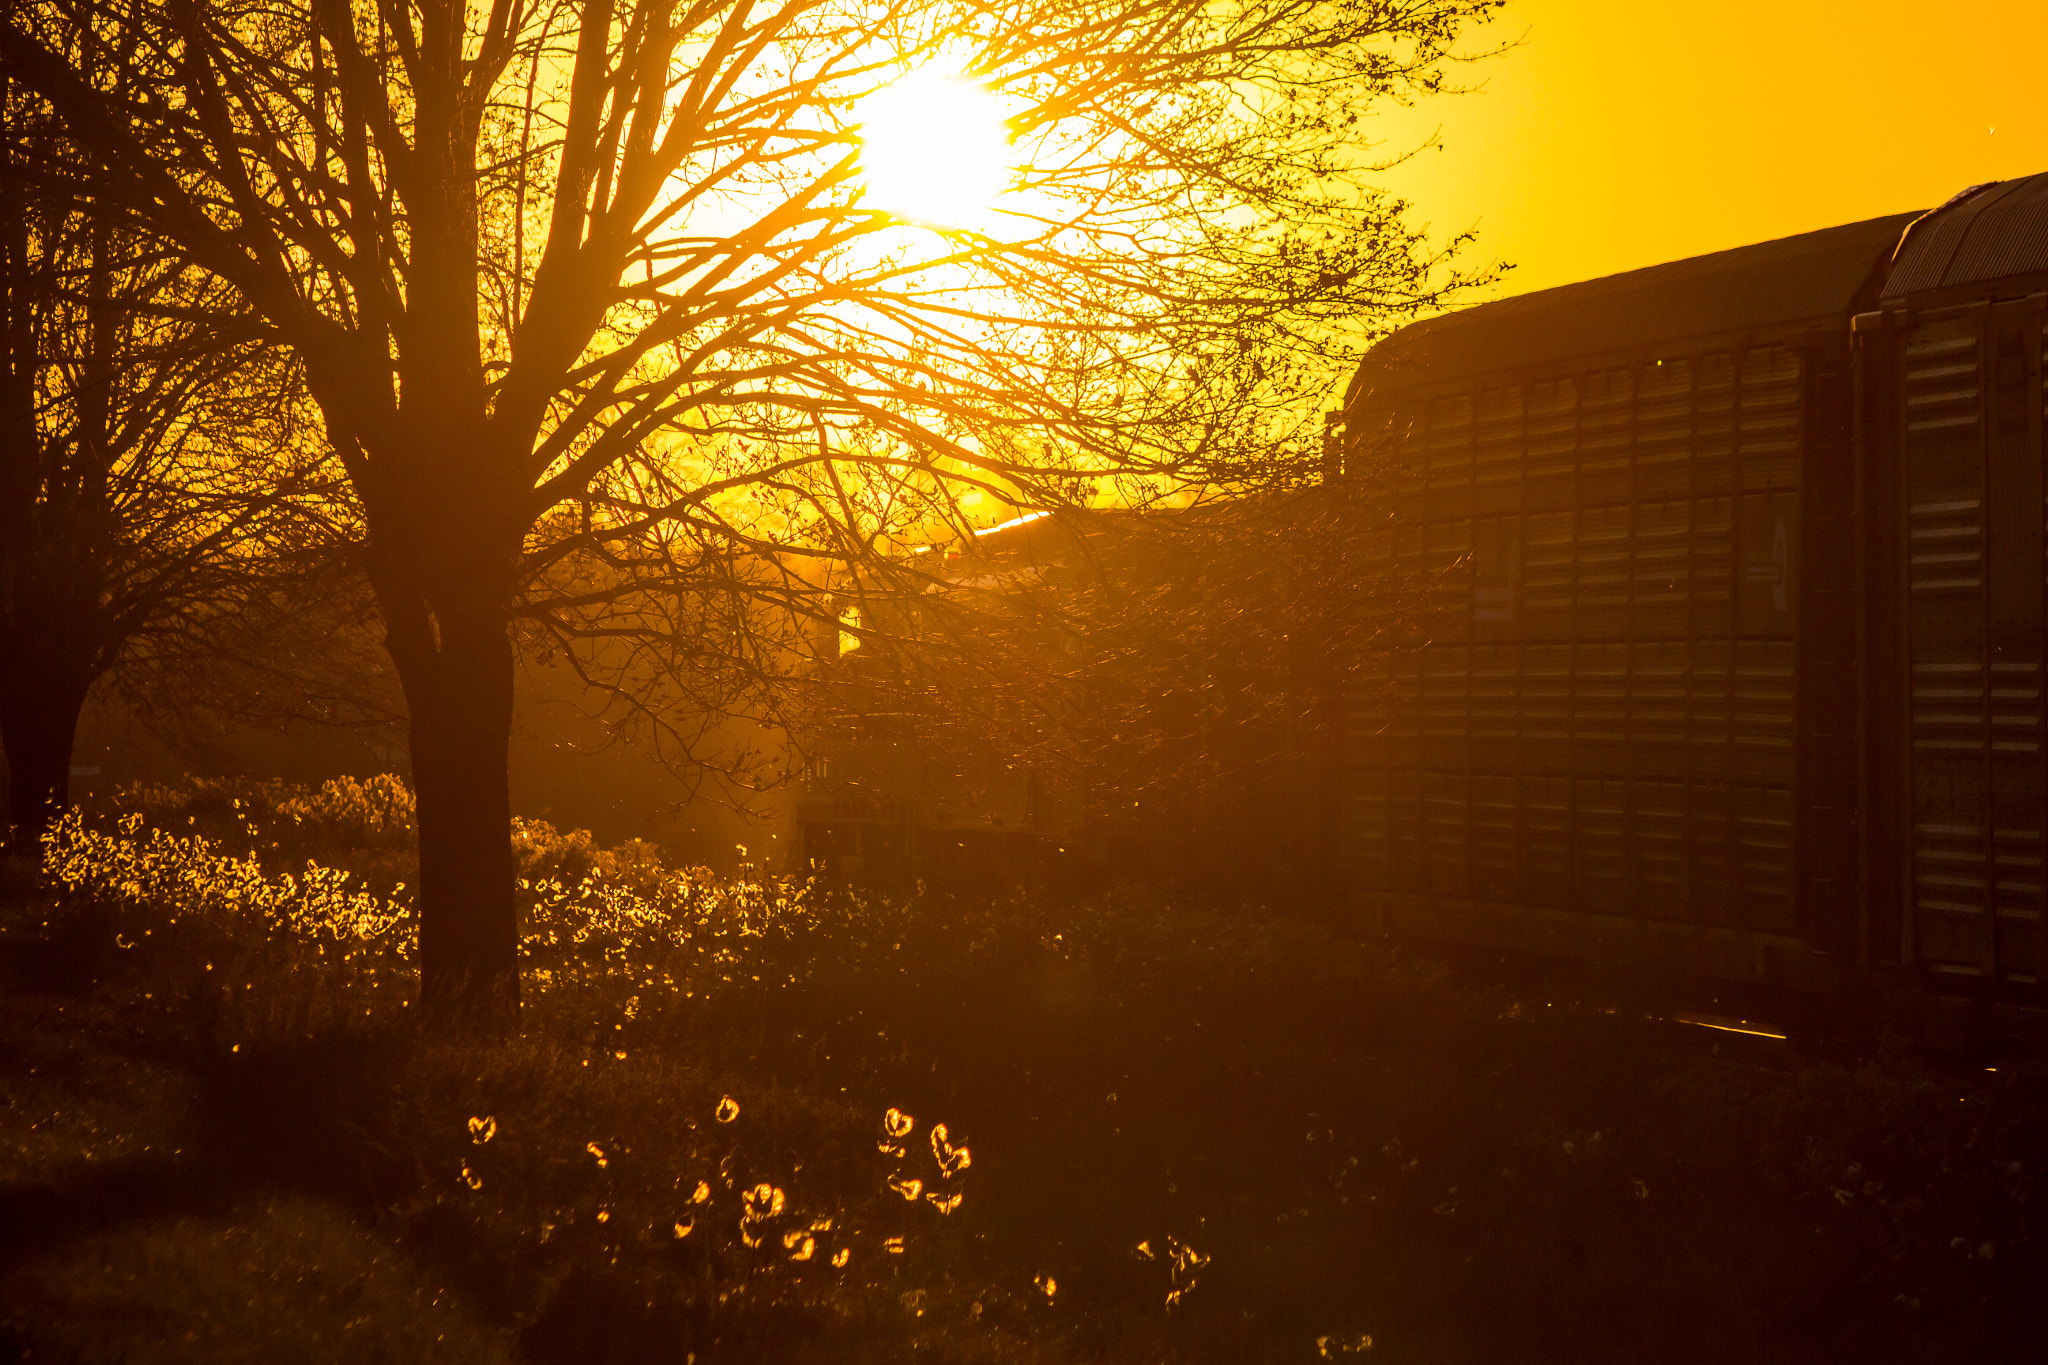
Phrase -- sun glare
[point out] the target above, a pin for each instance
(934, 149)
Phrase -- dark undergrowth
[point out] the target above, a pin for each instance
(1193, 1133)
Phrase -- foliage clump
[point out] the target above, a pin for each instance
(589, 914)
(130, 867)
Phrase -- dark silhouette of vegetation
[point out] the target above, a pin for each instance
(1167, 683)
(1197, 1134)
(610, 344)
(151, 489)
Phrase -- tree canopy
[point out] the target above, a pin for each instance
(152, 483)
(612, 337)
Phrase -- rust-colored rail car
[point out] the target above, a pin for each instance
(1951, 376)
(1633, 732)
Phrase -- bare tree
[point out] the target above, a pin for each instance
(592, 296)
(137, 398)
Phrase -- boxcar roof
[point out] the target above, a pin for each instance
(1985, 233)
(1793, 279)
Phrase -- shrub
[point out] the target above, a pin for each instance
(358, 813)
(128, 868)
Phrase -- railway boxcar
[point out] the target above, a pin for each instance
(1633, 733)
(1950, 364)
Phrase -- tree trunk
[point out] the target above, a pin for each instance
(38, 724)
(459, 693)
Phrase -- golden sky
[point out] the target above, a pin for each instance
(1620, 133)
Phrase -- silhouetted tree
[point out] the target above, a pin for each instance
(1170, 679)
(137, 397)
(609, 340)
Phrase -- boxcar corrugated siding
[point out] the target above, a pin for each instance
(1971, 437)
(1603, 719)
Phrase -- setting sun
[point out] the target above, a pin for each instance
(934, 148)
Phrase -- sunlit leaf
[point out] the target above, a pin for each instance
(949, 1157)
(1330, 1347)
(762, 1202)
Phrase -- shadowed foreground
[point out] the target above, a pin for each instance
(1195, 1134)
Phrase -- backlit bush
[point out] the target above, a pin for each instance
(134, 867)
(370, 812)
(588, 914)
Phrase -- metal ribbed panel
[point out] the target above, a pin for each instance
(1664, 432)
(1763, 837)
(1770, 418)
(1923, 258)
(1660, 588)
(1658, 848)
(2019, 847)
(2019, 560)
(1975, 592)
(1603, 719)
(1497, 467)
(1495, 838)
(1947, 687)
(1998, 232)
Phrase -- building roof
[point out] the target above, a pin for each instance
(1984, 233)
(1812, 276)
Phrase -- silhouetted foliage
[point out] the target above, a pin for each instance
(230, 1137)
(1166, 681)
(153, 489)
(610, 344)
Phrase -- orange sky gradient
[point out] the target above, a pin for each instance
(1620, 133)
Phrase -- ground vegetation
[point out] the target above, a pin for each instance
(1185, 1132)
